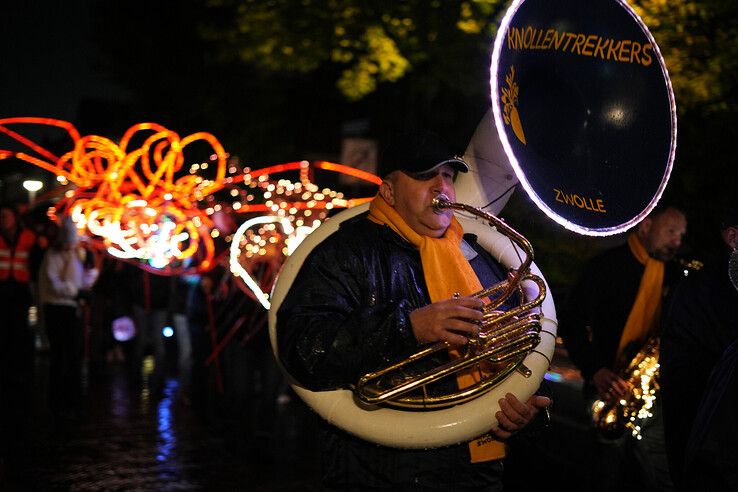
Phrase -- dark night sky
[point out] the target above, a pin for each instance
(47, 60)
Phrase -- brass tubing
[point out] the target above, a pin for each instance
(496, 355)
(441, 202)
(514, 347)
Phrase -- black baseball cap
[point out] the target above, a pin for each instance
(417, 153)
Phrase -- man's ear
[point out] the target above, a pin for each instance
(644, 227)
(387, 192)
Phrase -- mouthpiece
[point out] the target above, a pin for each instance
(441, 201)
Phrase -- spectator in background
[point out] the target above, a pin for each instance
(150, 296)
(109, 302)
(62, 278)
(699, 371)
(17, 246)
(204, 293)
(180, 292)
(208, 293)
(45, 230)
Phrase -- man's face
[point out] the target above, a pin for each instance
(662, 235)
(7, 220)
(412, 198)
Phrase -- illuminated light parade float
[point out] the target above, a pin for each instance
(165, 203)
(140, 200)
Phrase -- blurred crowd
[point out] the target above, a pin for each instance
(91, 316)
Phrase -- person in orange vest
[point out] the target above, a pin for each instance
(16, 243)
(17, 246)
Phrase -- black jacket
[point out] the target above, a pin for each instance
(700, 324)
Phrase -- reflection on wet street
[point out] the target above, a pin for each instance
(132, 439)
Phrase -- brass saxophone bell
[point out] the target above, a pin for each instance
(613, 417)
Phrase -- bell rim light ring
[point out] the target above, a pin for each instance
(605, 228)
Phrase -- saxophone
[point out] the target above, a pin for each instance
(615, 416)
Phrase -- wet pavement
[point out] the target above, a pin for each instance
(132, 439)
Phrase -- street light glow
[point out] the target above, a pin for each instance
(32, 185)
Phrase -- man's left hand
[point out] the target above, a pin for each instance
(514, 414)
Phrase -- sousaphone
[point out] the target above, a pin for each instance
(583, 117)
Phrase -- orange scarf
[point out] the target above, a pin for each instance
(646, 310)
(446, 272)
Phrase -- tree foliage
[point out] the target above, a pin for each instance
(697, 40)
(377, 42)
(370, 42)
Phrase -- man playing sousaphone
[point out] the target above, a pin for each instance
(611, 315)
(376, 290)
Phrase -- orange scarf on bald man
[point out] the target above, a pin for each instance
(446, 272)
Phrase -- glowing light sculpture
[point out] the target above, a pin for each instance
(132, 196)
(294, 210)
(138, 201)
